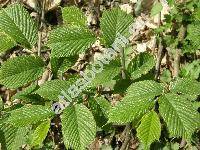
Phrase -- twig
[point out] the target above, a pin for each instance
(123, 63)
(159, 59)
(41, 24)
(177, 58)
(160, 51)
(177, 62)
(127, 137)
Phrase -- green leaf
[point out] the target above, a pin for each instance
(186, 86)
(52, 89)
(100, 108)
(69, 41)
(40, 133)
(166, 76)
(28, 115)
(62, 64)
(179, 114)
(141, 65)
(157, 8)
(16, 22)
(149, 129)
(73, 16)
(191, 70)
(193, 34)
(6, 42)
(12, 138)
(115, 22)
(78, 127)
(108, 73)
(21, 70)
(27, 94)
(139, 99)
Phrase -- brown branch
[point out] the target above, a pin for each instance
(41, 24)
(177, 58)
(159, 59)
(160, 52)
(127, 137)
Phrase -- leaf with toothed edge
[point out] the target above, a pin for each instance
(115, 22)
(150, 129)
(40, 133)
(70, 41)
(52, 89)
(16, 22)
(28, 115)
(6, 42)
(12, 138)
(186, 86)
(21, 70)
(179, 114)
(73, 16)
(138, 100)
(141, 65)
(78, 127)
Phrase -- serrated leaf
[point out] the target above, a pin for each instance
(6, 42)
(78, 127)
(21, 70)
(108, 73)
(157, 8)
(24, 29)
(193, 34)
(115, 22)
(141, 65)
(27, 94)
(62, 64)
(139, 99)
(12, 138)
(40, 133)
(166, 76)
(100, 108)
(179, 114)
(28, 115)
(149, 129)
(73, 16)
(52, 89)
(186, 86)
(191, 70)
(69, 41)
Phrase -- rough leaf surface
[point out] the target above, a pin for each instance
(186, 86)
(12, 138)
(52, 89)
(28, 68)
(179, 114)
(6, 42)
(16, 22)
(115, 22)
(78, 127)
(28, 115)
(139, 99)
(149, 129)
(141, 65)
(40, 133)
(73, 16)
(69, 41)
